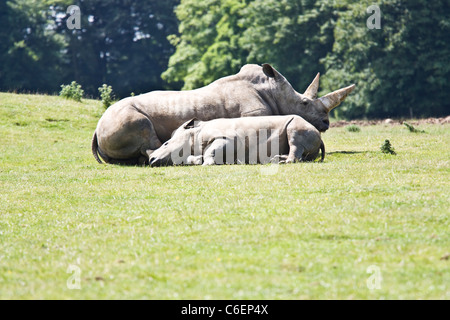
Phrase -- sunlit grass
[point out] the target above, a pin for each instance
(309, 231)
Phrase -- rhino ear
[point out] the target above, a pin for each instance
(311, 92)
(191, 123)
(268, 70)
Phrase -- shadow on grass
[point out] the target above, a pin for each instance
(352, 152)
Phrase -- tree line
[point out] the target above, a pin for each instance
(401, 67)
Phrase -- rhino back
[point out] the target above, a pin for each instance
(264, 127)
(249, 123)
(222, 99)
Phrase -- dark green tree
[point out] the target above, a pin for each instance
(196, 48)
(400, 70)
(291, 35)
(31, 51)
(121, 43)
(218, 37)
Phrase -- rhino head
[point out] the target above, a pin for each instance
(307, 105)
(178, 148)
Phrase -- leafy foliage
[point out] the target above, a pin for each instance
(207, 47)
(386, 147)
(72, 91)
(30, 48)
(353, 128)
(106, 94)
(123, 43)
(400, 70)
(411, 128)
(218, 37)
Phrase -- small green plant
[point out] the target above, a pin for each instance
(353, 128)
(412, 129)
(386, 147)
(106, 94)
(72, 91)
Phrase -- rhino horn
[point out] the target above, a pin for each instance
(311, 92)
(333, 99)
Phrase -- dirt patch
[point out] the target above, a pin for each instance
(362, 123)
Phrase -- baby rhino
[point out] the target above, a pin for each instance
(252, 140)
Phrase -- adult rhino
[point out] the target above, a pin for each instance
(131, 129)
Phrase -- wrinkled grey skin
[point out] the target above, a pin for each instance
(131, 129)
(241, 140)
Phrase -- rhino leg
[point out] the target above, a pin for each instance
(303, 147)
(127, 134)
(295, 154)
(304, 143)
(194, 160)
(279, 159)
(150, 141)
(216, 152)
(296, 149)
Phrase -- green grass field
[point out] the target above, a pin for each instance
(330, 230)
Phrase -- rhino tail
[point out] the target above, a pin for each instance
(95, 148)
(126, 162)
(322, 149)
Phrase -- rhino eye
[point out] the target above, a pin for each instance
(304, 101)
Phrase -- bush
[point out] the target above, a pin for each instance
(72, 91)
(353, 128)
(387, 147)
(106, 94)
(412, 129)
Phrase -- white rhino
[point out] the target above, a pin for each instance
(241, 140)
(131, 129)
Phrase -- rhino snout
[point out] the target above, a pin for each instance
(160, 161)
(326, 124)
(321, 125)
(154, 162)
